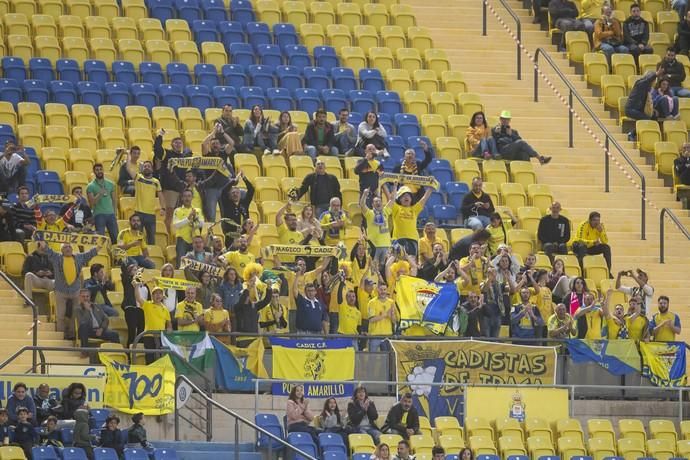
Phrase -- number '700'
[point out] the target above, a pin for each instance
(141, 386)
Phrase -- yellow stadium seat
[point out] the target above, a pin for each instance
(403, 16)
(598, 427)
(150, 29)
(393, 37)
(349, 14)
(570, 446)
(274, 166)
(521, 241)
(453, 82)
(58, 136)
(459, 233)
(466, 170)
(539, 446)
(106, 8)
(211, 115)
(631, 449)
(649, 62)
(600, 448)
(248, 164)
(312, 35)
(458, 124)
(30, 114)
(338, 34)
(424, 425)
(103, 49)
(97, 27)
(186, 52)
(623, 65)
(213, 53)
(7, 114)
(613, 88)
(141, 137)
(361, 443)
(300, 119)
(269, 12)
(54, 8)
(648, 134)
(529, 218)
(125, 28)
(12, 453)
(84, 115)
(409, 59)
(451, 443)
(12, 257)
(433, 126)
(683, 448)
(661, 449)
(135, 9)
(30, 136)
(353, 57)
(55, 159)
(81, 160)
(540, 196)
(495, 171)
(478, 426)
(269, 210)
(538, 427)
(675, 131)
(390, 439)
(193, 138)
(667, 22)
(632, 429)
(84, 137)
(443, 103)
(398, 80)
(75, 48)
(366, 36)
(48, 47)
(17, 23)
(482, 445)
(416, 103)
(81, 8)
(510, 427)
(159, 51)
(332, 165)
(421, 443)
(43, 25)
(190, 118)
(448, 148)
(659, 41)
(324, 14)
(420, 38)
(25, 7)
(113, 138)
(685, 429)
(570, 427)
(177, 29)
(448, 426)
(595, 66)
(381, 58)
(425, 80)
(20, 46)
(662, 429)
(577, 45)
(376, 14)
(665, 153)
(110, 116)
(164, 118)
(295, 12)
(511, 445)
(76, 179)
(523, 173)
(513, 195)
(470, 103)
(437, 60)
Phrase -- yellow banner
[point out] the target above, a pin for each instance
(213, 270)
(664, 363)
(303, 251)
(39, 199)
(405, 179)
(466, 362)
(136, 388)
(175, 283)
(95, 386)
(199, 163)
(493, 403)
(79, 239)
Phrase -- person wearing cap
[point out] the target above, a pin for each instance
(321, 186)
(156, 316)
(510, 145)
(405, 218)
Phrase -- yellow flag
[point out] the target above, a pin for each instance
(137, 388)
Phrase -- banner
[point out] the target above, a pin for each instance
(619, 357)
(304, 251)
(51, 199)
(95, 386)
(404, 179)
(137, 388)
(190, 348)
(311, 360)
(175, 283)
(77, 369)
(664, 363)
(419, 363)
(215, 163)
(425, 304)
(497, 403)
(80, 239)
(236, 368)
(192, 264)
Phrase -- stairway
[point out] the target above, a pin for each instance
(17, 333)
(575, 175)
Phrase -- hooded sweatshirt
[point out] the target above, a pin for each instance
(81, 429)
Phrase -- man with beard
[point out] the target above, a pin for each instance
(131, 240)
(101, 194)
(635, 321)
(147, 191)
(212, 186)
(664, 325)
(561, 324)
(231, 131)
(525, 319)
(169, 186)
(241, 258)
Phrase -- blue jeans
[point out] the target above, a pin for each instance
(477, 222)
(148, 223)
(108, 221)
(371, 431)
(211, 198)
(312, 151)
(680, 91)
(140, 261)
(608, 50)
(411, 246)
(486, 145)
(87, 331)
(344, 144)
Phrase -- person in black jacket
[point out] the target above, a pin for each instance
(554, 232)
(637, 98)
(636, 33)
(681, 165)
(235, 207)
(231, 127)
(170, 187)
(45, 403)
(246, 312)
(368, 169)
(76, 213)
(402, 418)
(322, 186)
(359, 408)
(510, 145)
(410, 165)
(73, 397)
(564, 17)
(674, 71)
(38, 272)
(98, 286)
(683, 41)
(111, 436)
(476, 206)
(319, 137)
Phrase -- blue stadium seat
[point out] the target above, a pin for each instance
(396, 147)
(178, 74)
(415, 142)
(234, 75)
(171, 96)
(316, 78)
(96, 71)
(164, 454)
(355, 118)
(67, 436)
(73, 453)
(231, 32)
(6, 134)
(68, 70)
(207, 75)
(518, 457)
(389, 102)
(102, 453)
(456, 191)
(488, 457)
(258, 33)
(214, 9)
(452, 457)
(297, 55)
(241, 53)
(13, 198)
(550, 457)
(36, 91)
(261, 76)
(225, 95)
(242, 11)
(406, 125)
(117, 94)
(90, 93)
(10, 91)
(386, 121)
(14, 68)
(304, 442)
(442, 171)
(270, 55)
(362, 101)
(308, 100)
(188, 10)
(151, 72)
(332, 442)
(44, 453)
(144, 94)
(279, 99)
(199, 96)
(344, 78)
(63, 92)
(361, 456)
(270, 423)
(285, 34)
(123, 71)
(205, 30)
(372, 80)
(325, 56)
(289, 77)
(251, 96)
(161, 9)
(587, 457)
(97, 417)
(334, 100)
(136, 454)
(41, 69)
(334, 455)
(434, 199)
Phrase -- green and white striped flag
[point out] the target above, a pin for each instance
(190, 349)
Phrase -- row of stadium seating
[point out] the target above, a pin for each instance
(76, 453)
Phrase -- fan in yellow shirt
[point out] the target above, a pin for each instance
(274, 319)
(405, 215)
(241, 258)
(591, 318)
(217, 318)
(188, 222)
(189, 313)
(664, 325)
(426, 243)
(382, 317)
(51, 223)
(333, 222)
(349, 316)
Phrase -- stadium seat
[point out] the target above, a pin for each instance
(662, 429)
(416, 103)
(540, 446)
(631, 448)
(371, 80)
(648, 134)
(241, 53)
(214, 9)
(477, 426)
(361, 443)
(600, 428)
(331, 442)
(297, 55)
(421, 444)
(613, 88)
(664, 154)
(63, 92)
(402, 16)
(540, 196)
(570, 427)
(420, 38)
(164, 454)
(661, 448)
(409, 59)
(135, 454)
(510, 427)
(601, 447)
(14, 68)
(304, 442)
(571, 446)
(390, 439)
(632, 429)
(270, 423)
(482, 445)
(367, 37)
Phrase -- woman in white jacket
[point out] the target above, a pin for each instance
(370, 131)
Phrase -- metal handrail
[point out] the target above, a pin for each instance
(681, 227)
(238, 418)
(34, 313)
(518, 27)
(609, 139)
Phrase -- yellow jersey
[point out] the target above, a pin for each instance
(499, 235)
(405, 221)
(333, 235)
(269, 314)
(476, 274)
(188, 310)
(379, 307)
(595, 324)
(378, 228)
(664, 334)
(238, 261)
(589, 235)
(215, 316)
(542, 299)
(637, 328)
(349, 319)
(426, 247)
(57, 226)
(187, 230)
(156, 316)
(128, 236)
(146, 194)
(287, 236)
(613, 328)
